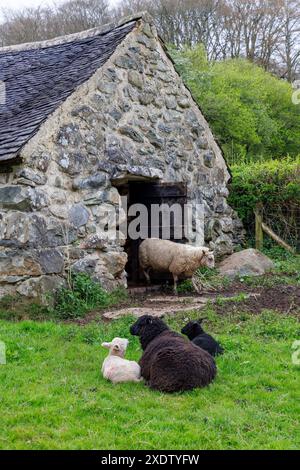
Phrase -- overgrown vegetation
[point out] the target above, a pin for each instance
(275, 184)
(62, 402)
(85, 295)
(250, 111)
(81, 296)
(258, 127)
(204, 279)
(209, 279)
(285, 272)
(285, 263)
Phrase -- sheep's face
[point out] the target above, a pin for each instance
(117, 346)
(208, 259)
(147, 328)
(139, 326)
(192, 329)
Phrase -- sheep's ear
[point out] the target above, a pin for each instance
(106, 345)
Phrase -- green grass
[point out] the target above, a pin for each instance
(286, 269)
(54, 397)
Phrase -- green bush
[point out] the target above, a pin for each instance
(274, 183)
(84, 295)
(250, 111)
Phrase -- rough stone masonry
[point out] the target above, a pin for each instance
(121, 111)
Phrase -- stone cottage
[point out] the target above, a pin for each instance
(85, 119)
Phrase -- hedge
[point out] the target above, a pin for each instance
(275, 183)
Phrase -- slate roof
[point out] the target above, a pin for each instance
(39, 77)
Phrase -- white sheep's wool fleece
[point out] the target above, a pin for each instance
(117, 369)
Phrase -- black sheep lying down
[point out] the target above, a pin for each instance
(194, 331)
(169, 362)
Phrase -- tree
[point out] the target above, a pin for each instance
(250, 110)
(36, 24)
(266, 32)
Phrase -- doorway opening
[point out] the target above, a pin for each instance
(149, 193)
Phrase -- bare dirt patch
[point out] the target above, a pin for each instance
(282, 298)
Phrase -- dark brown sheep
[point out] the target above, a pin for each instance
(170, 363)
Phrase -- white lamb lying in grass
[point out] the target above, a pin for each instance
(117, 369)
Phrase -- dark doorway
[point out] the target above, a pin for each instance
(149, 193)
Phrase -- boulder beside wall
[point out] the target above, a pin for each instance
(248, 262)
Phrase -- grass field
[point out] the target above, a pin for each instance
(52, 395)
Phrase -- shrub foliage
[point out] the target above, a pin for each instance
(275, 183)
(83, 295)
(250, 111)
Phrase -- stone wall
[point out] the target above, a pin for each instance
(133, 117)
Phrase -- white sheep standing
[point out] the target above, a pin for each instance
(176, 258)
(117, 369)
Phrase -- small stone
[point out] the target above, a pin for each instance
(51, 261)
(26, 182)
(115, 262)
(135, 79)
(94, 199)
(202, 142)
(154, 139)
(43, 161)
(107, 88)
(40, 287)
(16, 197)
(83, 111)
(164, 128)
(112, 196)
(183, 103)
(71, 162)
(115, 113)
(161, 66)
(159, 102)
(146, 98)
(111, 74)
(78, 215)
(69, 135)
(95, 181)
(32, 176)
(132, 133)
(126, 62)
(146, 151)
(187, 142)
(147, 30)
(142, 39)
(59, 211)
(209, 158)
(94, 242)
(84, 265)
(13, 263)
(165, 77)
(171, 102)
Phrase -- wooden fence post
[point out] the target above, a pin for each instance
(259, 237)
